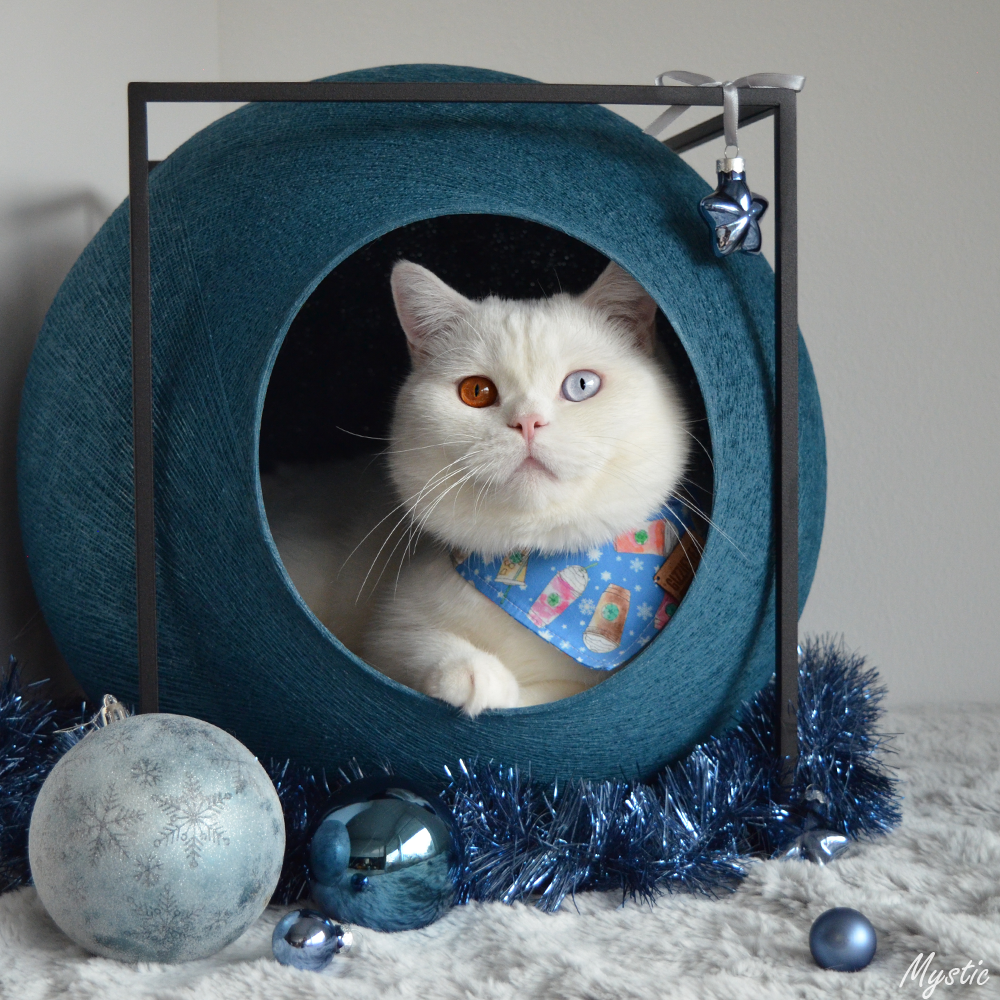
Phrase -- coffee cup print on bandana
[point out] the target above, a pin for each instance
(514, 568)
(649, 539)
(604, 633)
(666, 611)
(676, 574)
(561, 591)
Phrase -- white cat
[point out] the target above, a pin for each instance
(545, 424)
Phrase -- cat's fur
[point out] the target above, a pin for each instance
(534, 470)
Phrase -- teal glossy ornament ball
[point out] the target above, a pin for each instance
(384, 856)
(156, 839)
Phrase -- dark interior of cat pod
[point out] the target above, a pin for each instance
(335, 378)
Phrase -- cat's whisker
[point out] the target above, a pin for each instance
(426, 514)
(407, 514)
(406, 536)
(414, 498)
(375, 562)
(438, 479)
(482, 492)
(371, 531)
(712, 524)
(413, 538)
(413, 512)
(421, 522)
(695, 509)
(473, 474)
(701, 445)
(382, 453)
(701, 552)
(620, 445)
(388, 559)
(422, 447)
(367, 437)
(430, 485)
(490, 480)
(416, 529)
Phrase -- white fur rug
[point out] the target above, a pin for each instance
(934, 885)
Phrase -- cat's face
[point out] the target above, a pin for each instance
(544, 424)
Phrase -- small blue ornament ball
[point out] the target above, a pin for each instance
(158, 838)
(383, 856)
(842, 939)
(305, 939)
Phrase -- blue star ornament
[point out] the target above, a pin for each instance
(732, 211)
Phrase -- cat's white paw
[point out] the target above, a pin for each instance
(473, 681)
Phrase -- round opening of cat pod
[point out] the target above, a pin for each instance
(479, 537)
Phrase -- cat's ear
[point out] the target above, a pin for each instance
(426, 307)
(619, 296)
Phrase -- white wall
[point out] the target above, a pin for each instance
(899, 271)
(64, 67)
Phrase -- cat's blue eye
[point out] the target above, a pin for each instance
(578, 386)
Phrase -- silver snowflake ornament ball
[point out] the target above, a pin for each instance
(156, 839)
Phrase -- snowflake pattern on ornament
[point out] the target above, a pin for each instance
(165, 922)
(239, 770)
(146, 772)
(119, 741)
(218, 920)
(107, 824)
(146, 870)
(193, 819)
(64, 795)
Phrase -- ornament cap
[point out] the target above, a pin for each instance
(730, 164)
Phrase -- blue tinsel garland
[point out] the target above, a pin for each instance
(694, 826)
(29, 748)
(691, 827)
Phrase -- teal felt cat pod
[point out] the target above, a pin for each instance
(247, 218)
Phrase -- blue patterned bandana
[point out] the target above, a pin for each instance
(600, 606)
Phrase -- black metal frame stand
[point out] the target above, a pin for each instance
(754, 103)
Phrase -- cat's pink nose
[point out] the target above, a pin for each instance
(528, 425)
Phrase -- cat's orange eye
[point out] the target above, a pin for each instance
(477, 390)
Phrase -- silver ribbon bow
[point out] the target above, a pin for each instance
(730, 97)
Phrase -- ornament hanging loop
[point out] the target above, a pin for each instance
(730, 113)
(730, 96)
(730, 162)
(111, 710)
(732, 212)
